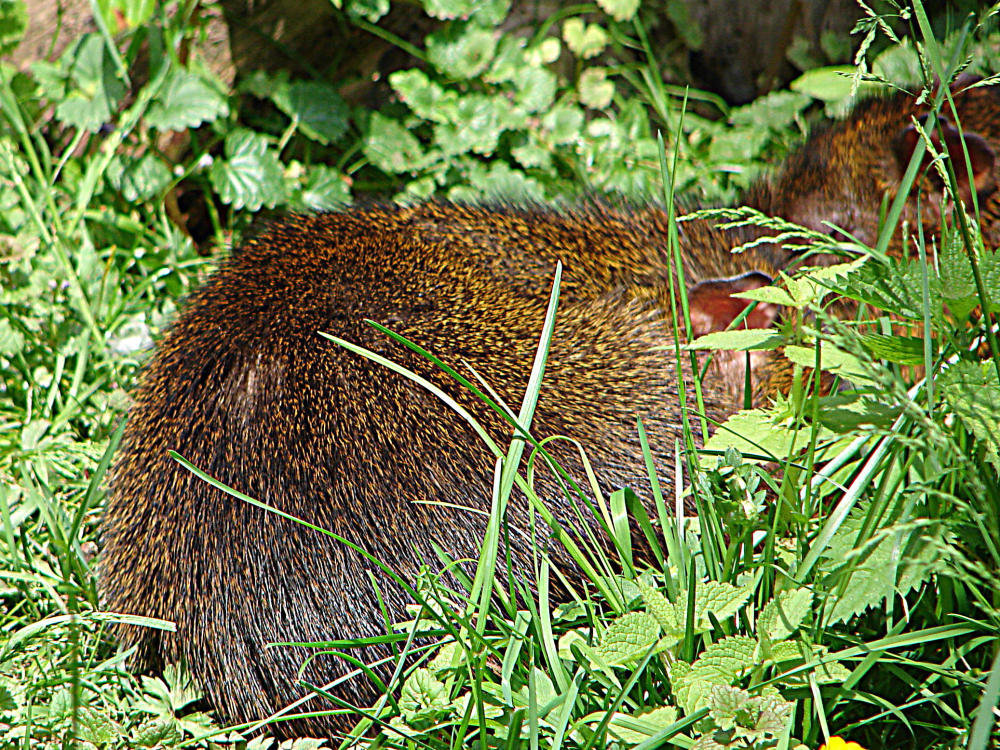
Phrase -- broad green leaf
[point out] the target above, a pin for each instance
(972, 392)
(317, 108)
(757, 718)
(620, 10)
(424, 96)
(782, 615)
(461, 51)
(391, 147)
(564, 123)
(584, 41)
(832, 359)
(250, 175)
(185, 101)
(536, 88)
(477, 128)
(11, 340)
(326, 189)
(596, 91)
(423, 695)
(903, 350)
(13, 23)
(138, 179)
(660, 608)
(726, 659)
(628, 638)
(828, 84)
(95, 87)
(753, 433)
(741, 339)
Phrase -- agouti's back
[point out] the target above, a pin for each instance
(244, 386)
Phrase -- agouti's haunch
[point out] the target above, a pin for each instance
(244, 387)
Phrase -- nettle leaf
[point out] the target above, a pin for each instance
(756, 718)
(316, 107)
(628, 638)
(722, 599)
(782, 615)
(138, 179)
(620, 10)
(584, 41)
(753, 434)
(726, 659)
(958, 285)
(972, 392)
(391, 147)
(95, 87)
(894, 287)
(250, 175)
(461, 51)
(424, 96)
(832, 359)
(661, 609)
(13, 23)
(185, 101)
(903, 350)
(596, 91)
(895, 560)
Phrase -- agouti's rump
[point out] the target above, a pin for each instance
(244, 387)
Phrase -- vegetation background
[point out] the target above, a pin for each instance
(864, 601)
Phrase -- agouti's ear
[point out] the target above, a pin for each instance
(981, 156)
(714, 309)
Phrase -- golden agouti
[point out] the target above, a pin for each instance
(244, 386)
(843, 170)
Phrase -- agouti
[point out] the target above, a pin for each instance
(244, 387)
(843, 170)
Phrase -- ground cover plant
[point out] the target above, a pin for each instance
(841, 577)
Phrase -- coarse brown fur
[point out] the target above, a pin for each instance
(844, 169)
(244, 386)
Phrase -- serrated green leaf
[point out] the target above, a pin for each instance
(157, 732)
(620, 10)
(628, 638)
(563, 123)
(741, 339)
(756, 718)
(725, 660)
(424, 96)
(480, 121)
(95, 87)
(371, 10)
(423, 695)
(536, 88)
(660, 608)
(596, 91)
(903, 350)
(391, 147)
(584, 41)
(185, 101)
(317, 108)
(138, 179)
(92, 726)
(782, 615)
(832, 359)
(973, 393)
(13, 23)
(250, 175)
(718, 597)
(11, 341)
(752, 433)
(461, 51)
(326, 189)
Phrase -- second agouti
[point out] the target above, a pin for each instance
(244, 386)
(844, 169)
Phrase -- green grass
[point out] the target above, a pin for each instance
(841, 578)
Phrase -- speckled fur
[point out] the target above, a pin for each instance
(842, 171)
(245, 388)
